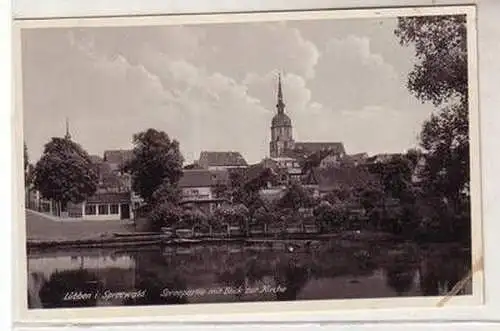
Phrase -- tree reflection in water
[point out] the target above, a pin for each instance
(155, 286)
(293, 278)
(400, 273)
(441, 269)
(63, 283)
(306, 273)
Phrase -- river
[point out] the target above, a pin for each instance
(278, 271)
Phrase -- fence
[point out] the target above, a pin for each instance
(227, 230)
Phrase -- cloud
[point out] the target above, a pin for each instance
(212, 88)
(259, 48)
(350, 76)
(109, 97)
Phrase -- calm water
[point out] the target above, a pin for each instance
(297, 270)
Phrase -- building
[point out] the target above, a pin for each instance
(113, 199)
(221, 160)
(116, 159)
(199, 187)
(325, 180)
(104, 207)
(288, 168)
(282, 143)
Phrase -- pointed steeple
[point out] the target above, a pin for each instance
(280, 105)
(68, 135)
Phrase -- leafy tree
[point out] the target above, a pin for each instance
(166, 192)
(156, 159)
(296, 197)
(330, 216)
(441, 51)
(65, 173)
(441, 77)
(192, 217)
(165, 214)
(263, 216)
(28, 168)
(395, 176)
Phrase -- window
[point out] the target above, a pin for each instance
(90, 209)
(113, 209)
(103, 210)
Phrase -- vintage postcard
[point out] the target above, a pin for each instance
(271, 162)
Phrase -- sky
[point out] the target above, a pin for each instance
(213, 86)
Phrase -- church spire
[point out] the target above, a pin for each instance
(68, 135)
(280, 105)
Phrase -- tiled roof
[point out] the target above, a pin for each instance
(118, 156)
(221, 159)
(337, 177)
(312, 147)
(203, 178)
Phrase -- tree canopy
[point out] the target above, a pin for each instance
(441, 51)
(156, 161)
(64, 173)
(28, 168)
(440, 76)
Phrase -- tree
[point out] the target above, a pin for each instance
(28, 168)
(156, 160)
(441, 51)
(296, 197)
(165, 214)
(65, 173)
(441, 77)
(62, 283)
(166, 192)
(330, 216)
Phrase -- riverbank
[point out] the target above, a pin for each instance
(44, 232)
(119, 240)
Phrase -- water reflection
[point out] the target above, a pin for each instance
(70, 288)
(242, 272)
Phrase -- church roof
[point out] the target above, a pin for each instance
(281, 119)
(313, 147)
(221, 159)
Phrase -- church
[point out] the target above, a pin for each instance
(282, 144)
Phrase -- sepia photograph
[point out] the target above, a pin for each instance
(251, 158)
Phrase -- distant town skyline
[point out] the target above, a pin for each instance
(213, 87)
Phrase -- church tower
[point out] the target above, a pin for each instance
(281, 128)
(67, 135)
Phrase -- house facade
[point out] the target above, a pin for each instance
(199, 188)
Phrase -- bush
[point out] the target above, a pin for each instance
(164, 215)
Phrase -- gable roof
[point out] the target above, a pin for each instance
(221, 159)
(118, 156)
(313, 147)
(203, 178)
(337, 177)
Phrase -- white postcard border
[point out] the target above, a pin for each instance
(281, 311)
